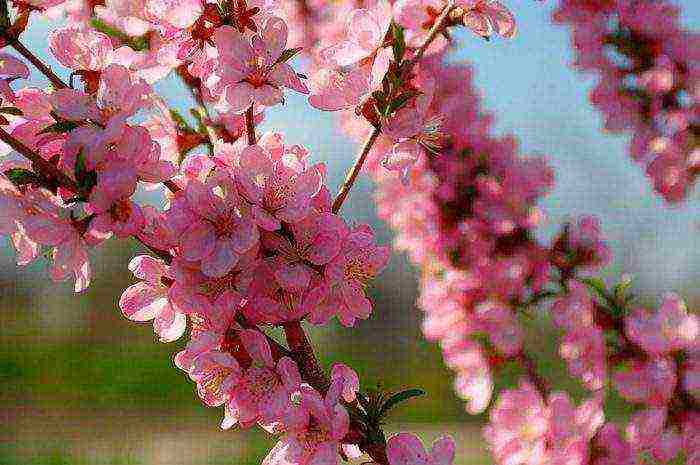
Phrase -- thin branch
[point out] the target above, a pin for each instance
(355, 170)
(303, 353)
(44, 166)
(357, 167)
(538, 381)
(56, 81)
(250, 125)
(437, 28)
(171, 186)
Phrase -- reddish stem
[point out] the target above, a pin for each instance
(250, 126)
(303, 353)
(46, 168)
(56, 81)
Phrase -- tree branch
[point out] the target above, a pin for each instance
(357, 167)
(38, 162)
(355, 170)
(56, 81)
(250, 126)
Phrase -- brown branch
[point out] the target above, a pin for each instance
(303, 353)
(56, 81)
(538, 381)
(438, 27)
(46, 168)
(250, 126)
(355, 170)
(172, 187)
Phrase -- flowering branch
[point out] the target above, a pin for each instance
(436, 29)
(355, 170)
(56, 81)
(46, 168)
(250, 125)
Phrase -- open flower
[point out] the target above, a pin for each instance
(264, 392)
(149, 300)
(220, 230)
(407, 449)
(250, 70)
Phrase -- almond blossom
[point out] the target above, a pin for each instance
(251, 70)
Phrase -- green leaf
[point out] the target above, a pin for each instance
(620, 289)
(399, 397)
(4, 15)
(400, 101)
(180, 121)
(139, 43)
(86, 179)
(60, 127)
(21, 176)
(288, 54)
(399, 43)
(11, 111)
(597, 285)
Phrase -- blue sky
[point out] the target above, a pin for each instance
(534, 94)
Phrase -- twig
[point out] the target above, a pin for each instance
(433, 33)
(303, 353)
(355, 170)
(357, 167)
(172, 187)
(531, 368)
(250, 126)
(56, 81)
(44, 166)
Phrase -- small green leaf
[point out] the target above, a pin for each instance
(399, 43)
(139, 43)
(4, 14)
(288, 54)
(86, 179)
(399, 397)
(597, 285)
(400, 101)
(21, 176)
(11, 111)
(180, 121)
(60, 127)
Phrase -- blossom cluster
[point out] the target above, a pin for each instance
(648, 85)
(249, 237)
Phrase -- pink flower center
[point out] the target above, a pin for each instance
(314, 435)
(355, 268)
(258, 74)
(214, 287)
(262, 384)
(121, 211)
(225, 225)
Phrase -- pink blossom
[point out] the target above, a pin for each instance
(279, 187)
(365, 31)
(518, 426)
(346, 276)
(314, 435)
(584, 350)
(669, 329)
(249, 71)
(265, 390)
(216, 374)
(148, 299)
(407, 449)
(11, 68)
(651, 382)
(484, 17)
(81, 49)
(220, 230)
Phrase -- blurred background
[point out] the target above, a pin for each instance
(79, 384)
